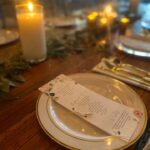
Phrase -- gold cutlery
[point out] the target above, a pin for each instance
(126, 71)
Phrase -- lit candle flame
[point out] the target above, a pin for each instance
(124, 20)
(30, 6)
(93, 16)
(103, 21)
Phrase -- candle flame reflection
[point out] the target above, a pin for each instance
(109, 142)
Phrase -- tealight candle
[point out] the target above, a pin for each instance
(92, 19)
(124, 22)
(93, 16)
(31, 25)
(103, 21)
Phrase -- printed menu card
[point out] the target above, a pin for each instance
(113, 118)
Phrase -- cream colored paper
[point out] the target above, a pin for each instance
(107, 115)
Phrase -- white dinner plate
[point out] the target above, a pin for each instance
(8, 36)
(74, 133)
(135, 46)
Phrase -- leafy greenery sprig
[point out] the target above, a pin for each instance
(60, 46)
(10, 72)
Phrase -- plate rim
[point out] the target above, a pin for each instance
(72, 148)
(16, 37)
(128, 50)
(47, 133)
(96, 140)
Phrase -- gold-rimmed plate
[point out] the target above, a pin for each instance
(74, 133)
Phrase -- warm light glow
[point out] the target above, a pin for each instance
(109, 142)
(101, 14)
(109, 13)
(114, 15)
(92, 16)
(83, 130)
(101, 43)
(108, 9)
(95, 14)
(124, 20)
(30, 6)
(103, 21)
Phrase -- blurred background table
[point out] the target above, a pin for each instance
(19, 128)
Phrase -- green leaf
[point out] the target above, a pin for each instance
(18, 78)
(13, 84)
(4, 85)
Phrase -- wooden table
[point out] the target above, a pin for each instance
(19, 128)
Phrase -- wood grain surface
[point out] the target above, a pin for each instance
(19, 128)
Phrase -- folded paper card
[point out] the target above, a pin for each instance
(113, 118)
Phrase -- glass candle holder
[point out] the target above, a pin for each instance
(32, 34)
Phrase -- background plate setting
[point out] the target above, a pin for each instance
(8, 36)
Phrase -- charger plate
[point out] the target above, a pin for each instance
(74, 133)
(138, 46)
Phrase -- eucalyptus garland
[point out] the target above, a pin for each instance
(10, 72)
(58, 46)
(73, 42)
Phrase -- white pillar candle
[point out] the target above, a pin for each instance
(31, 25)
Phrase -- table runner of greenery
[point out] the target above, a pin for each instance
(59, 45)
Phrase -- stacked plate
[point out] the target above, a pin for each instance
(138, 46)
(74, 133)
